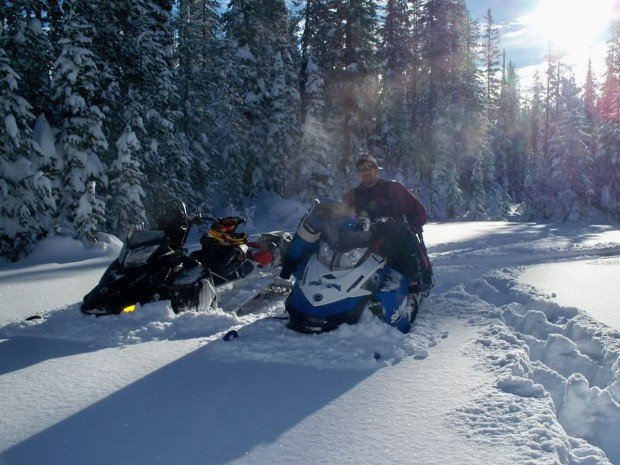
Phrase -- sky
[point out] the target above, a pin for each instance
(578, 29)
(505, 363)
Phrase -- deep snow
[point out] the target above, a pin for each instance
(514, 356)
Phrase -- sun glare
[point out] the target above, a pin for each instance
(572, 26)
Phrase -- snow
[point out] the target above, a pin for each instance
(514, 356)
(11, 126)
(44, 136)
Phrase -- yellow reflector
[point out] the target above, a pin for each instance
(129, 309)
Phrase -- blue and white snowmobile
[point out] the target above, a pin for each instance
(339, 275)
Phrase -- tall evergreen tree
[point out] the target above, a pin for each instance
(81, 136)
(314, 20)
(508, 143)
(198, 76)
(396, 59)
(356, 39)
(316, 165)
(261, 33)
(232, 136)
(570, 158)
(283, 124)
(591, 116)
(452, 100)
(491, 63)
(28, 46)
(126, 192)
(608, 158)
(27, 201)
(90, 214)
(109, 36)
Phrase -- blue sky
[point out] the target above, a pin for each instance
(577, 28)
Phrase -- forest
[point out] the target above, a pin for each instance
(110, 108)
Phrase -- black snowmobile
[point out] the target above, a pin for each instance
(154, 265)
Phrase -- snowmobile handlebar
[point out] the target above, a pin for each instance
(389, 220)
(226, 222)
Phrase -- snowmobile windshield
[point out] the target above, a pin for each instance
(338, 261)
(135, 237)
(139, 256)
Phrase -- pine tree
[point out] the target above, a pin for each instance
(589, 93)
(535, 175)
(452, 101)
(508, 144)
(590, 113)
(477, 203)
(198, 75)
(414, 80)
(314, 21)
(232, 135)
(126, 192)
(396, 134)
(167, 153)
(51, 162)
(608, 158)
(108, 40)
(81, 135)
(90, 214)
(316, 166)
(27, 201)
(570, 160)
(356, 39)
(28, 46)
(282, 127)
(491, 62)
(261, 32)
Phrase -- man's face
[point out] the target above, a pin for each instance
(368, 173)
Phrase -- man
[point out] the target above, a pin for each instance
(376, 198)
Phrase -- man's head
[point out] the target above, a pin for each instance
(367, 169)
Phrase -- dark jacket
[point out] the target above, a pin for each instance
(386, 199)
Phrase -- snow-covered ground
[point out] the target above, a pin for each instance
(514, 357)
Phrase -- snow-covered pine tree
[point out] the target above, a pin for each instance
(231, 138)
(283, 125)
(260, 30)
(536, 116)
(571, 163)
(355, 40)
(28, 46)
(490, 39)
(414, 80)
(477, 198)
(469, 115)
(442, 179)
(590, 89)
(508, 139)
(108, 37)
(314, 21)
(454, 195)
(167, 159)
(50, 163)
(316, 163)
(198, 75)
(81, 136)
(27, 201)
(126, 207)
(396, 58)
(452, 102)
(608, 158)
(90, 215)
(342, 37)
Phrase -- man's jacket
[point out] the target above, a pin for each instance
(386, 199)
